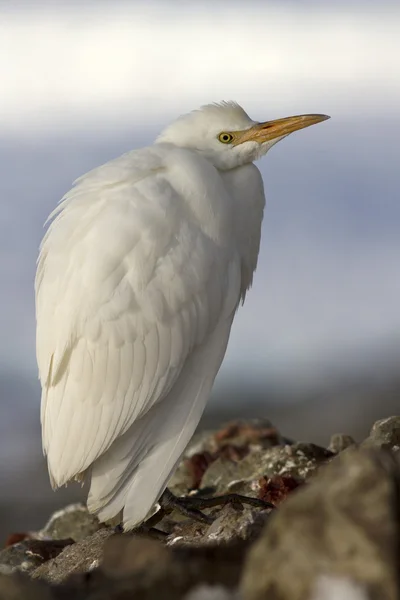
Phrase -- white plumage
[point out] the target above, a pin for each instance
(138, 280)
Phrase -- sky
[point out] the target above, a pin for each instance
(82, 83)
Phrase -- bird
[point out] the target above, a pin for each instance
(140, 273)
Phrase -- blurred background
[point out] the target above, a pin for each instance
(316, 347)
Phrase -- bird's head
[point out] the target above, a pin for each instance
(227, 137)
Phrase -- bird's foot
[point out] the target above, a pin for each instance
(192, 506)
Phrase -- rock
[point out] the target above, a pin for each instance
(213, 564)
(298, 461)
(276, 489)
(185, 531)
(211, 592)
(29, 554)
(225, 476)
(73, 521)
(256, 474)
(143, 564)
(231, 524)
(127, 555)
(15, 538)
(338, 588)
(28, 551)
(81, 557)
(234, 524)
(384, 434)
(337, 528)
(20, 587)
(136, 566)
(232, 442)
(339, 442)
(343, 524)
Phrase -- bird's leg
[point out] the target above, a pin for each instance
(169, 502)
(192, 506)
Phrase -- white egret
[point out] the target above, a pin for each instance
(139, 277)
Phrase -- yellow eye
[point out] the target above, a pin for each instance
(225, 138)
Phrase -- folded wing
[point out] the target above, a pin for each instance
(129, 284)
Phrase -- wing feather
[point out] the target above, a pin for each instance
(130, 281)
(133, 473)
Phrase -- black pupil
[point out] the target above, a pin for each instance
(226, 137)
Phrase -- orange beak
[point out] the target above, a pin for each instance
(270, 130)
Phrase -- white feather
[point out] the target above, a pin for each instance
(138, 280)
(134, 472)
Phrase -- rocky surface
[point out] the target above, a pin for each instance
(384, 434)
(30, 554)
(74, 522)
(81, 557)
(345, 524)
(335, 529)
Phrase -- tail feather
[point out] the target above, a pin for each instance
(135, 470)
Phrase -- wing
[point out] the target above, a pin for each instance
(134, 273)
(131, 476)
